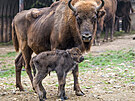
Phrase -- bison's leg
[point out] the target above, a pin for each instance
(76, 83)
(98, 33)
(112, 28)
(26, 53)
(37, 84)
(128, 23)
(106, 34)
(123, 24)
(98, 39)
(61, 88)
(19, 63)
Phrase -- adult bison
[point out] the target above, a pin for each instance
(107, 21)
(22, 21)
(124, 7)
(72, 23)
(110, 8)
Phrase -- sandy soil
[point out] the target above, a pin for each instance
(92, 80)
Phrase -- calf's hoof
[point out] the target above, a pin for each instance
(43, 99)
(64, 98)
(79, 93)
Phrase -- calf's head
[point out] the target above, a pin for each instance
(75, 54)
(86, 13)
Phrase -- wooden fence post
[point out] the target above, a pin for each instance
(21, 5)
(8, 21)
(1, 21)
(5, 22)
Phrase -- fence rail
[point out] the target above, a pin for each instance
(8, 8)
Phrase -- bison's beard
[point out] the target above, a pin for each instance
(87, 45)
(87, 41)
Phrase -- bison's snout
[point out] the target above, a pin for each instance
(87, 36)
(81, 59)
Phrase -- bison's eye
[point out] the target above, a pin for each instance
(79, 20)
(75, 53)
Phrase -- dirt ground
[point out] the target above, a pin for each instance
(91, 81)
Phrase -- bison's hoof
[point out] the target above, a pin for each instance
(111, 40)
(79, 93)
(98, 44)
(20, 87)
(105, 40)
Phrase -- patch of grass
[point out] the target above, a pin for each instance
(110, 59)
(23, 73)
(117, 33)
(8, 43)
(126, 81)
(9, 54)
(31, 90)
(9, 88)
(10, 72)
(87, 87)
(8, 83)
(56, 85)
(9, 65)
(2, 59)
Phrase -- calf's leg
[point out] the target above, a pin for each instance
(61, 88)
(37, 84)
(76, 83)
(43, 90)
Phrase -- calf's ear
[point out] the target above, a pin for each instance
(78, 50)
(65, 54)
(101, 14)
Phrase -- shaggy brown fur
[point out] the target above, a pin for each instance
(61, 61)
(60, 28)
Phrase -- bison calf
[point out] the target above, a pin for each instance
(61, 61)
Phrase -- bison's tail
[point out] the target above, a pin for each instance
(14, 38)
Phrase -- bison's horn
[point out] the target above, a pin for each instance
(100, 6)
(71, 6)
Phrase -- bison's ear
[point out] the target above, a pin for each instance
(101, 14)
